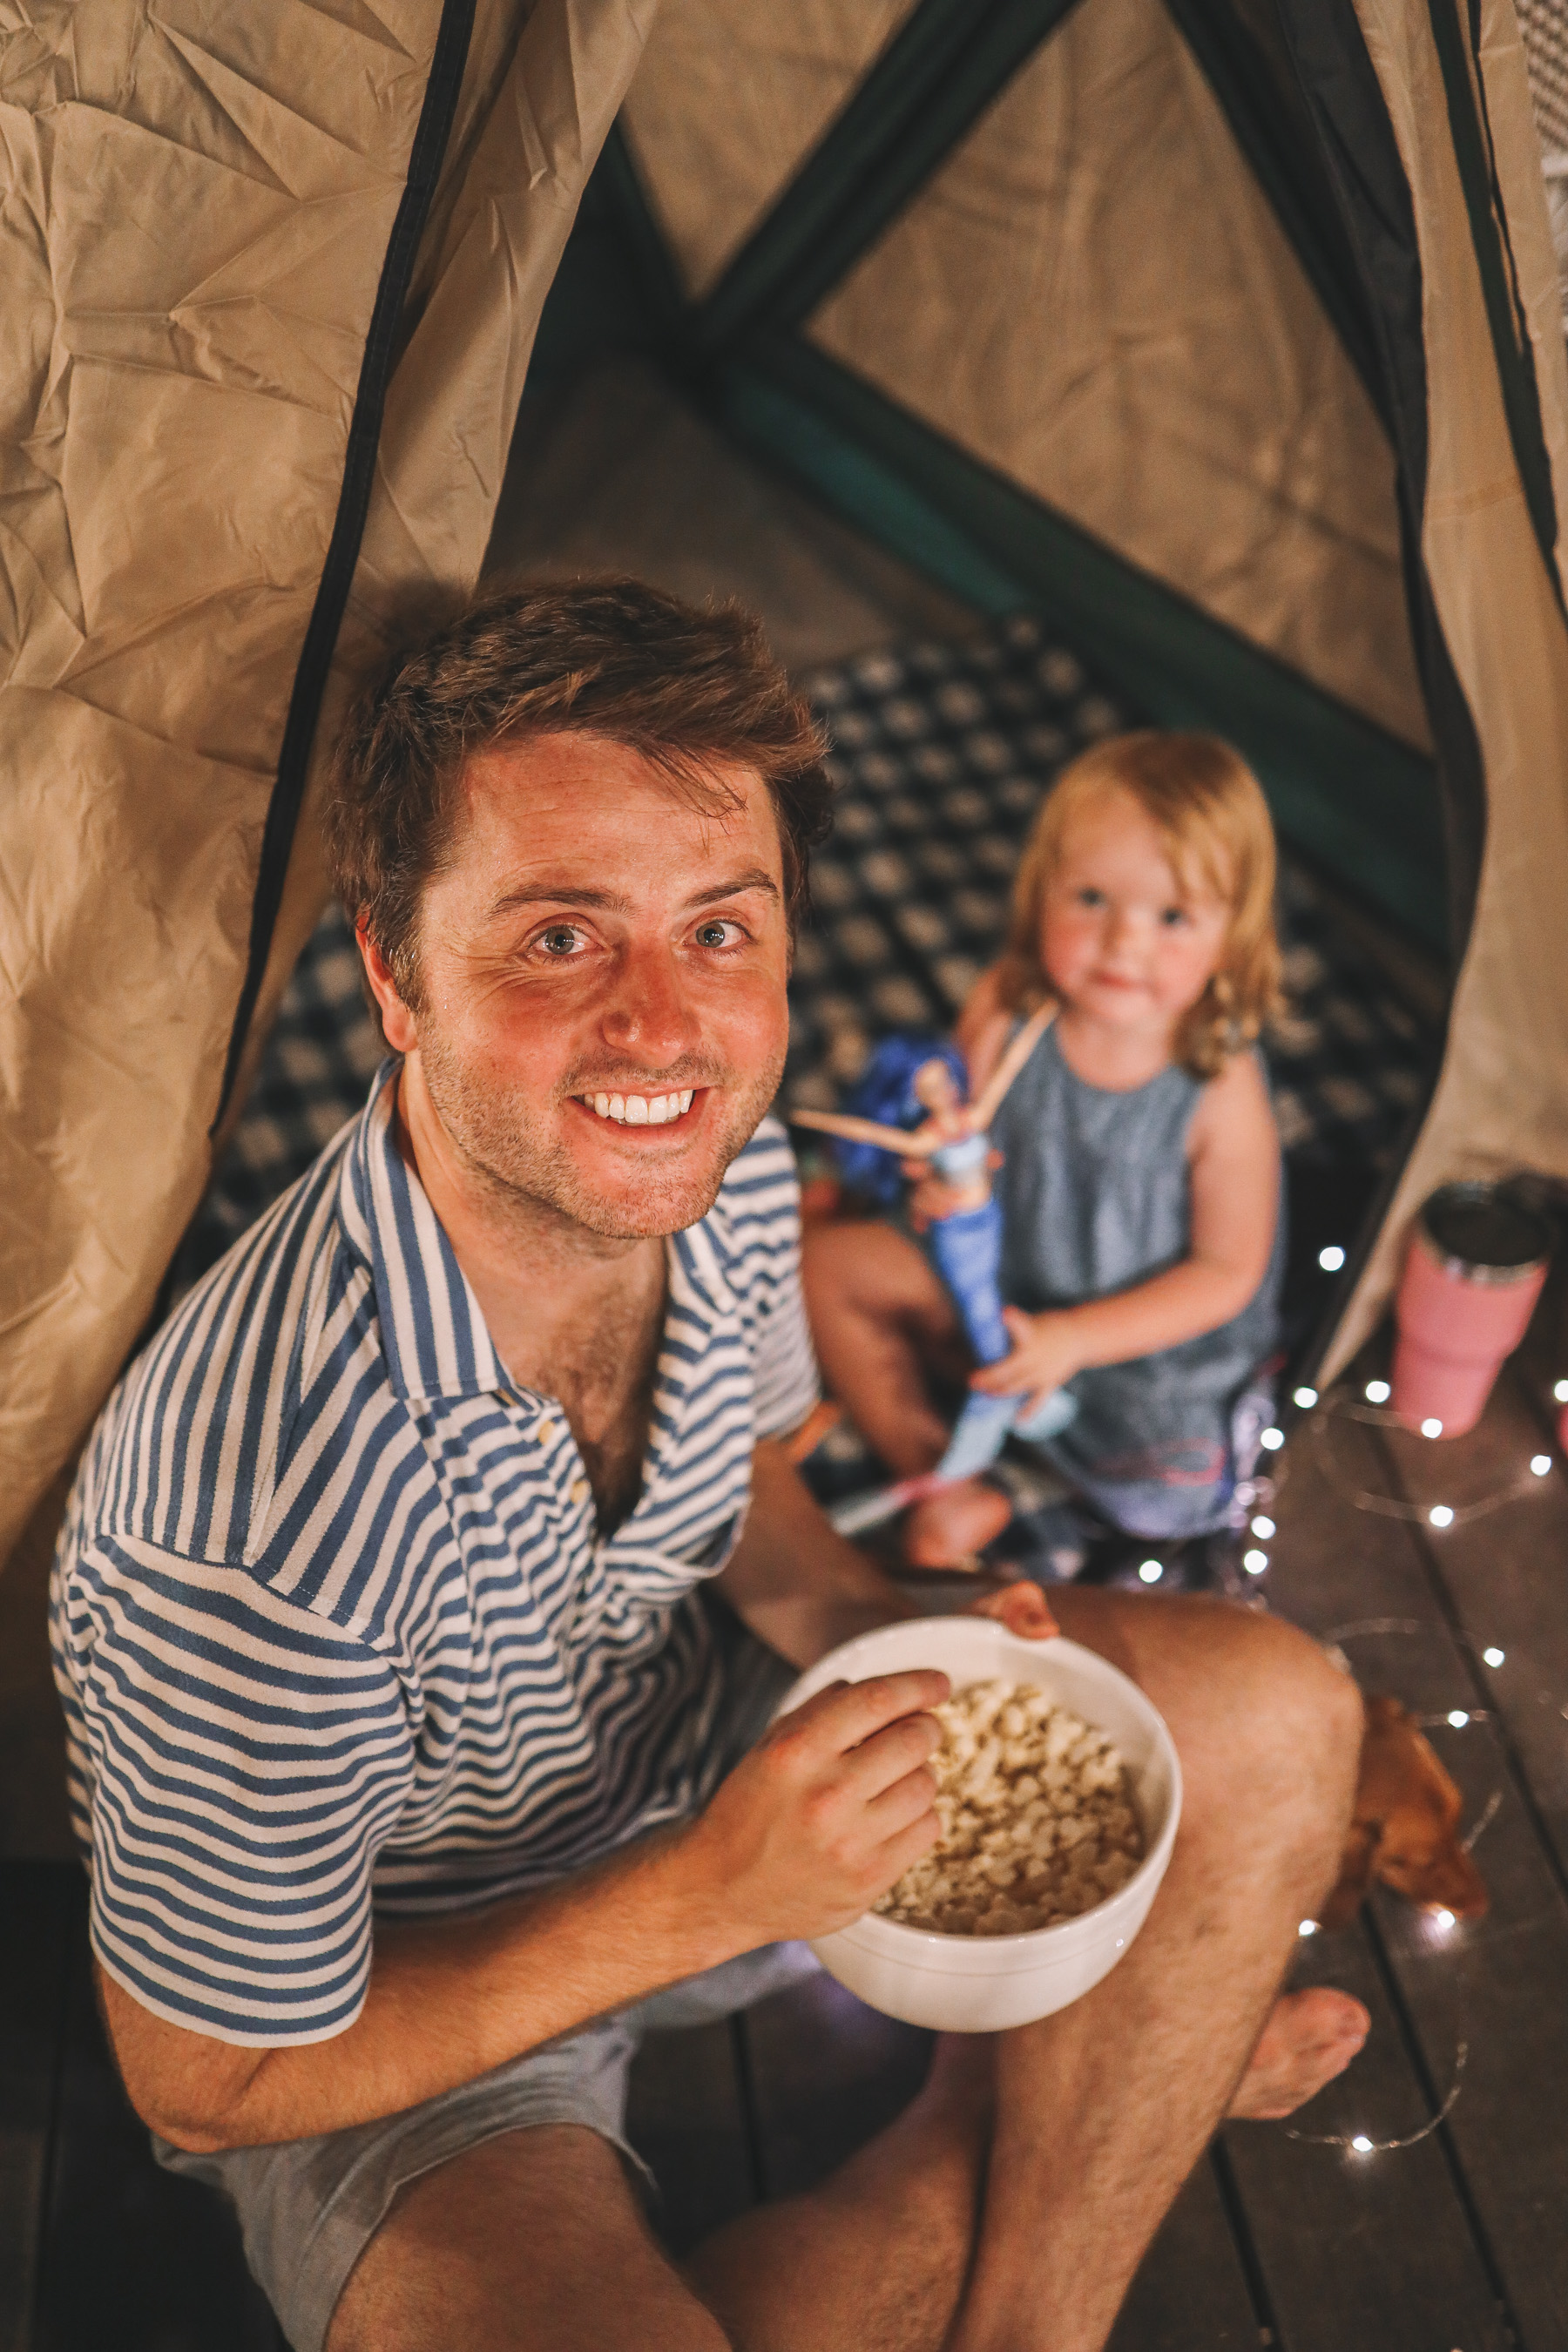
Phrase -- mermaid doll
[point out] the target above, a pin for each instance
(906, 1080)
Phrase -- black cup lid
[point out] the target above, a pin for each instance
(1480, 1225)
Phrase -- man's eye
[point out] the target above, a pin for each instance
(561, 939)
(718, 932)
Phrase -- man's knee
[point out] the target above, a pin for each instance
(1253, 1704)
(1281, 1732)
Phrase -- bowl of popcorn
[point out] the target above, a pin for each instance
(1058, 1793)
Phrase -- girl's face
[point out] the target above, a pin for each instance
(1122, 939)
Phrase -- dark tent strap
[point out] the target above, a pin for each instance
(1350, 794)
(1470, 127)
(935, 79)
(1366, 175)
(381, 348)
(1267, 120)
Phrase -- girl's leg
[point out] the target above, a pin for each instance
(883, 1325)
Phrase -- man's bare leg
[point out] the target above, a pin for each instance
(533, 2242)
(1102, 2111)
(1008, 2209)
(536, 2240)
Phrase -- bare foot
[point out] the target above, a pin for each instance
(1310, 2038)
(962, 1518)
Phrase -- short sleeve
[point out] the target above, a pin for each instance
(236, 1765)
(787, 1383)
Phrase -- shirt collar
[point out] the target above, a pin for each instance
(432, 1330)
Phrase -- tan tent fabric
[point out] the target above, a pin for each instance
(1094, 296)
(195, 211)
(1501, 1103)
(729, 99)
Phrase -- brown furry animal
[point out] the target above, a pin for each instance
(1404, 1832)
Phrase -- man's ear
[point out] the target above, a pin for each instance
(397, 1024)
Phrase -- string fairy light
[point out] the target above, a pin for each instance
(1362, 2144)
(1438, 1515)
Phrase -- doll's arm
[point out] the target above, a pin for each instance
(1234, 1169)
(981, 1030)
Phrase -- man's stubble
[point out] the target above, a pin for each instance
(540, 1185)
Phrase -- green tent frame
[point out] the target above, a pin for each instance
(1401, 829)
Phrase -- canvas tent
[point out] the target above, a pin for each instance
(1225, 331)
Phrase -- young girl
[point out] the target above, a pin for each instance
(1139, 1176)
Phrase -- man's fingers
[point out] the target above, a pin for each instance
(889, 1754)
(895, 1856)
(903, 1803)
(847, 1714)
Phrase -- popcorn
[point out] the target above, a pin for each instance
(1037, 1822)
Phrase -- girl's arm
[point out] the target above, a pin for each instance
(1233, 1154)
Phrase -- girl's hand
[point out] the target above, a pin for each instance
(1045, 1353)
(931, 1199)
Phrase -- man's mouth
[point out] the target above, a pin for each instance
(641, 1110)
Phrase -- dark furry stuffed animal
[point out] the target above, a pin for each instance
(1404, 1832)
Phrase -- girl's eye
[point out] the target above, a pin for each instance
(718, 931)
(1172, 915)
(1089, 897)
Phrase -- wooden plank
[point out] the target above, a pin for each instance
(686, 2118)
(36, 1906)
(1496, 1984)
(1504, 1575)
(1363, 2250)
(1190, 2293)
(133, 2258)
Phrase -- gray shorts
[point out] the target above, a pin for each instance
(308, 2208)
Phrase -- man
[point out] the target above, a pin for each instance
(411, 1759)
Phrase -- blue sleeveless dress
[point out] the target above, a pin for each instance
(1095, 1197)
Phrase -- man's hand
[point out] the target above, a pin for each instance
(826, 1812)
(1046, 1350)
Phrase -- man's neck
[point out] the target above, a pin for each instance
(551, 1292)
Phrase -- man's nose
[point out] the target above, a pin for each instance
(647, 1012)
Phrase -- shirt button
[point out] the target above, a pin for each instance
(580, 1490)
(546, 1432)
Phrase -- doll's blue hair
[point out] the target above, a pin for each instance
(885, 1092)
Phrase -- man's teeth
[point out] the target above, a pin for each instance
(642, 1110)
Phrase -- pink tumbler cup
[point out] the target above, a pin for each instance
(1477, 1262)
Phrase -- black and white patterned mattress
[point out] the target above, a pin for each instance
(941, 754)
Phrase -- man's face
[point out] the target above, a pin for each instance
(603, 971)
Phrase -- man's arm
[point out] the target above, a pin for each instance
(802, 1588)
(805, 1834)
(798, 1584)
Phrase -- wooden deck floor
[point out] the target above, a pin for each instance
(1455, 2244)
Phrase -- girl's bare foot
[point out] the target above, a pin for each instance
(962, 1519)
(1310, 2038)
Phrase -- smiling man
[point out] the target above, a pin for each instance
(419, 1769)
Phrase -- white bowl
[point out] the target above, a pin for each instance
(983, 1984)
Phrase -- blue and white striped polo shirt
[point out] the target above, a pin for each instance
(333, 1623)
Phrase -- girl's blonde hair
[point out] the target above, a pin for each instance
(1211, 812)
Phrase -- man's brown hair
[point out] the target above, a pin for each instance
(691, 690)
